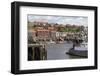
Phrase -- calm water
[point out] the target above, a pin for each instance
(58, 51)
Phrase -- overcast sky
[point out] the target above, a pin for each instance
(78, 20)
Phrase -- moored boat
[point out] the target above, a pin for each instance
(79, 50)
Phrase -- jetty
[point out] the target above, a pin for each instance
(37, 52)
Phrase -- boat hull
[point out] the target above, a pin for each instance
(81, 53)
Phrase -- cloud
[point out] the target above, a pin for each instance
(79, 20)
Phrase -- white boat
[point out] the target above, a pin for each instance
(82, 47)
(80, 50)
(52, 42)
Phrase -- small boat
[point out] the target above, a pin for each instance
(52, 42)
(80, 50)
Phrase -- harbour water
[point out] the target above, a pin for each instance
(58, 51)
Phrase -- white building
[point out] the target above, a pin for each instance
(57, 34)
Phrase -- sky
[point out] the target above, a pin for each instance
(78, 20)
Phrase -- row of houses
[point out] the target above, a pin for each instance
(47, 35)
(43, 23)
(46, 32)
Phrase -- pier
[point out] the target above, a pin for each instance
(37, 52)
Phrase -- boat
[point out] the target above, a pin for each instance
(51, 41)
(79, 50)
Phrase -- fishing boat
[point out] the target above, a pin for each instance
(51, 41)
(79, 50)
